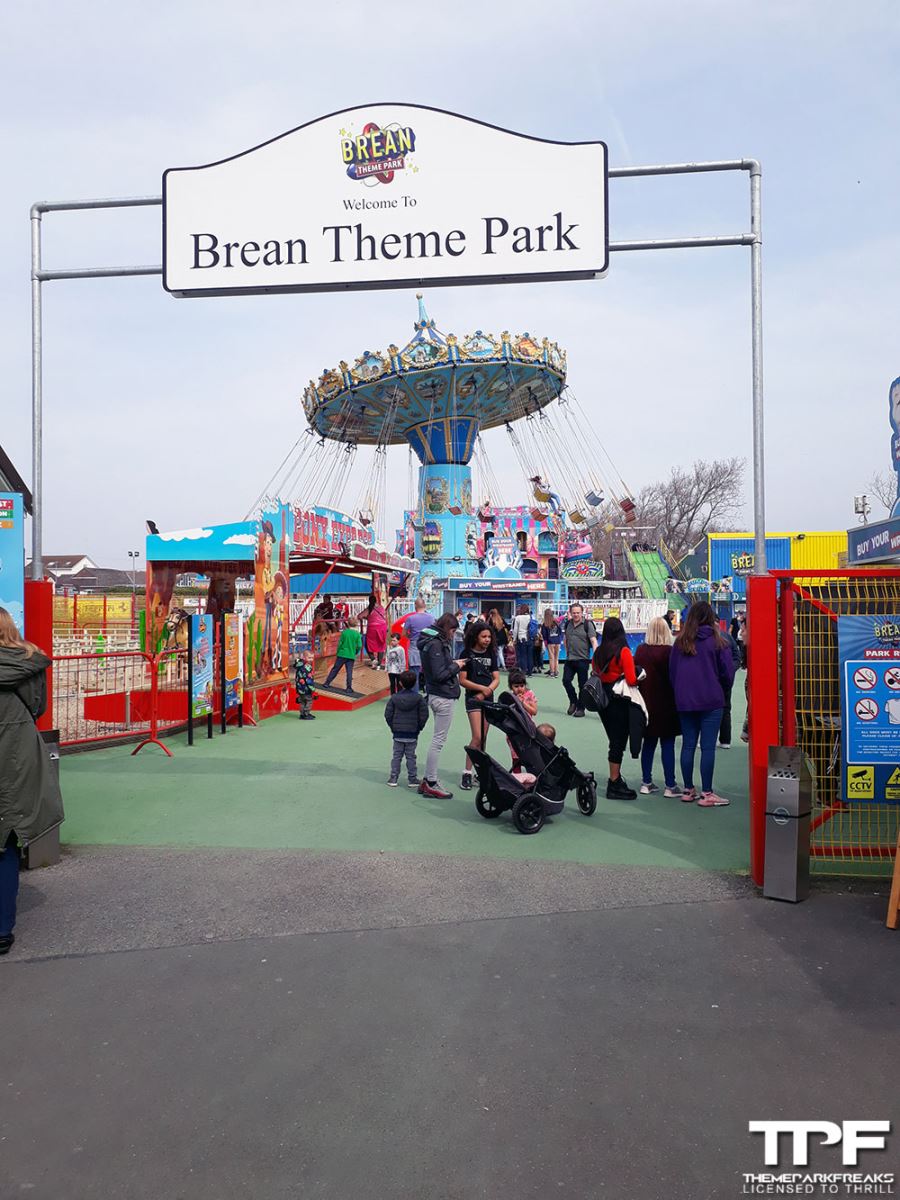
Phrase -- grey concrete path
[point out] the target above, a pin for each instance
(123, 898)
(452, 1033)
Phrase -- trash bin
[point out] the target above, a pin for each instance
(44, 851)
(789, 796)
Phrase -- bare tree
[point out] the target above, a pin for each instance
(701, 499)
(882, 487)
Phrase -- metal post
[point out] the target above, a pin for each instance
(37, 278)
(37, 441)
(759, 451)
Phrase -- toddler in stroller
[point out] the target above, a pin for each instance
(553, 771)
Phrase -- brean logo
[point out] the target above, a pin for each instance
(377, 152)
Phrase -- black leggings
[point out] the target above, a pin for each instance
(615, 718)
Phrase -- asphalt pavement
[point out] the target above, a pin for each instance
(221, 1024)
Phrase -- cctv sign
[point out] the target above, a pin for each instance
(384, 196)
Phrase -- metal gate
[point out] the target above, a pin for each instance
(794, 700)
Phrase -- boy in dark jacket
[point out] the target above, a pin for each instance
(406, 713)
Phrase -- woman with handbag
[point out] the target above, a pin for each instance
(611, 663)
(652, 658)
(30, 802)
(701, 668)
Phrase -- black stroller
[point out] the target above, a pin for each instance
(555, 772)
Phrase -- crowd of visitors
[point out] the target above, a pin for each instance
(675, 685)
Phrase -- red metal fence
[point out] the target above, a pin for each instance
(119, 696)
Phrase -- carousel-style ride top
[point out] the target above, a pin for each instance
(437, 395)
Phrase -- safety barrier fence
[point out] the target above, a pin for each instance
(794, 700)
(119, 696)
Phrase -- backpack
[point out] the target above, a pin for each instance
(533, 628)
(593, 696)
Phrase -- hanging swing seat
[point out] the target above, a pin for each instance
(366, 517)
(627, 505)
(594, 498)
(539, 514)
(577, 517)
(485, 515)
(455, 509)
(541, 495)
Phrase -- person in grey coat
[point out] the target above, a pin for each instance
(30, 801)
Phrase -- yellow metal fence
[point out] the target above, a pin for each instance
(847, 838)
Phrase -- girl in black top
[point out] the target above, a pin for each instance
(479, 678)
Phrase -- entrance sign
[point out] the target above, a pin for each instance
(869, 651)
(201, 652)
(12, 558)
(382, 196)
(233, 665)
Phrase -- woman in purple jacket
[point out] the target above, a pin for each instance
(700, 667)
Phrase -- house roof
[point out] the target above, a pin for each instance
(12, 481)
(61, 562)
(102, 579)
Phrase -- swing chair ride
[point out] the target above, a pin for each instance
(438, 395)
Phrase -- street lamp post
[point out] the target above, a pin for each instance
(134, 555)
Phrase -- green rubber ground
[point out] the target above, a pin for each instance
(322, 786)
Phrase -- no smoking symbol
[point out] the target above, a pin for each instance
(866, 710)
(865, 678)
(892, 678)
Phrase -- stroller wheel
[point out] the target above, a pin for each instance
(485, 808)
(587, 797)
(528, 814)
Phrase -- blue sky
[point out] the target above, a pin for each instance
(180, 410)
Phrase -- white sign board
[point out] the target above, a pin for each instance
(386, 195)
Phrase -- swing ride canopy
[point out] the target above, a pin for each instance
(438, 392)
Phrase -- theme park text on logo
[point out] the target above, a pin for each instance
(378, 152)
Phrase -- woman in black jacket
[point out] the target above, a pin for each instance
(441, 671)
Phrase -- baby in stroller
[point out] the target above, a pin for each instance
(548, 773)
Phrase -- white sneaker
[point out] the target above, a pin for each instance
(393, 783)
(724, 745)
(673, 792)
(648, 789)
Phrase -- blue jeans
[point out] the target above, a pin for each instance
(338, 663)
(9, 885)
(666, 753)
(702, 727)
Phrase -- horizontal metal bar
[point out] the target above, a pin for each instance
(693, 168)
(733, 239)
(96, 273)
(43, 206)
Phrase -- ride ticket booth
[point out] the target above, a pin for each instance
(479, 596)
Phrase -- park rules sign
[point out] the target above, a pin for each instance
(386, 195)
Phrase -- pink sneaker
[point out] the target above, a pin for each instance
(711, 800)
(689, 795)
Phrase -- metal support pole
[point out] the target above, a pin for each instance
(38, 276)
(759, 450)
(37, 436)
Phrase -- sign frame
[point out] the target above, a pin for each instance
(411, 280)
